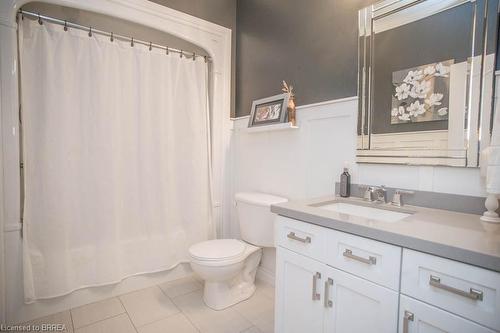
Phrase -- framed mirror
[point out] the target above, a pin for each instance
(426, 81)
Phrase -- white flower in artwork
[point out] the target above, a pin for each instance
(416, 109)
(413, 76)
(443, 112)
(442, 70)
(402, 91)
(404, 117)
(429, 70)
(420, 89)
(434, 99)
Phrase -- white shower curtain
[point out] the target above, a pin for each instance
(116, 159)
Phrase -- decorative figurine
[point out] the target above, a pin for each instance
(291, 102)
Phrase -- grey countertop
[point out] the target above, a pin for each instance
(457, 236)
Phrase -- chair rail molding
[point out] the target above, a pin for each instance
(215, 39)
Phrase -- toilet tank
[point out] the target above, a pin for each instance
(255, 217)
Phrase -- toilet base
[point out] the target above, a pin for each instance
(223, 294)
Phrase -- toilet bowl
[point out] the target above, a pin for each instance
(228, 266)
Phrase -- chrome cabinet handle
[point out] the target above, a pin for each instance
(315, 295)
(474, 294)
(406, 321)
(293, 236)
(370, 261)
(328, 301)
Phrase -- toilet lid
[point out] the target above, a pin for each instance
(217, 249)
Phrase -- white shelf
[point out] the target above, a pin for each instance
(267, 128)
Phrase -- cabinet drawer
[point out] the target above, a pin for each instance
(418, 317)
(466, 290)
(304, 238)
(375, 261)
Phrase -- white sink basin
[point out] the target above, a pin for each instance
(366, 212)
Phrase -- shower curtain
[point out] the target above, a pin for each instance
(116, 159)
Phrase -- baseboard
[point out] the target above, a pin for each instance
(265, 275)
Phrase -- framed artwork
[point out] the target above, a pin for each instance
(270, 110)
(421, 93)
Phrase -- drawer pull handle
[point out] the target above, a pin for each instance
(293, 236)
(328, 301)
(315, 295)
(406, 321)
(474, 294)
(370, 261)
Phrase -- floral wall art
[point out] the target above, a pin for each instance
(421, 93)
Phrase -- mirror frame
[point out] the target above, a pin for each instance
(478, 132)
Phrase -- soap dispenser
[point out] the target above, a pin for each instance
(345, 183)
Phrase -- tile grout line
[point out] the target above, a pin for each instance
(73, 329)
(128, 315)
(178, 308)
(98, 321)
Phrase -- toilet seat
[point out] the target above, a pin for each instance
(218, 250)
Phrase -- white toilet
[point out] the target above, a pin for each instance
(228, 266)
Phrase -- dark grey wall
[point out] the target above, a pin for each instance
(221, 12)
(310, 44)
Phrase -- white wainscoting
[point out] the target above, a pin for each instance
(306, 162)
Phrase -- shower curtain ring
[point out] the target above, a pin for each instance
(181, 54)
(39, 19)
(132, 42)
(150, 46)
(111, 38)
(194, 56)
(166, 49)
(90, 31)
(65, 25)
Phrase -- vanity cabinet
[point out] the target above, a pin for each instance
(299, 306)
(333, 282)
(312, 296)
(419, 317)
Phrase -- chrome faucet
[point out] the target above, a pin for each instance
(375, 194)
(368, 196)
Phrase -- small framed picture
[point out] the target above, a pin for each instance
(270, 110)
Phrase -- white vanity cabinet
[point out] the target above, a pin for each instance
(334, 282)
(299, 293)
(312, 296)
(419, 317)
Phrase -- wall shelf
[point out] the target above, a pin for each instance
(275, 127)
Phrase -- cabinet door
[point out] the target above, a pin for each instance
(354, 305)
(299, 296)
(419, 317)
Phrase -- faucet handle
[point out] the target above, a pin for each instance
(397, 199)
(368, 196)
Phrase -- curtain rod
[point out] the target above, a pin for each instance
(111, 35)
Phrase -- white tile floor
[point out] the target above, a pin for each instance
(175, 306)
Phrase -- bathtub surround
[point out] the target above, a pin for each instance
(213, 38)
(221, 12)
(92, 214)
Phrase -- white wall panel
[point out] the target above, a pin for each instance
(306, 162)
